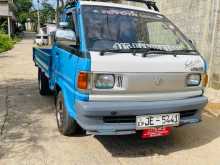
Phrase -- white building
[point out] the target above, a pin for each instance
(7, 11)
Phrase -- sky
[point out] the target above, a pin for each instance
(52, 2)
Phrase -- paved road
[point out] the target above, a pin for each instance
(29, 134)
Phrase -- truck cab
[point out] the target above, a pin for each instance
(116, 68)
(41, 39)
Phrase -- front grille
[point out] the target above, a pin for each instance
(119, 119)
(119, 81)
(132, 119)
(187, 113)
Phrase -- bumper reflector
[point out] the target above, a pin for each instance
(155, 132)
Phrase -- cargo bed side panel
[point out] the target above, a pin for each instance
(43, 59)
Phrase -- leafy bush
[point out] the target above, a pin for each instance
(3, 25)
(5, 42)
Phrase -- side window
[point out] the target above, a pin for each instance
(67, 36)
(69, 20)
(72, 24)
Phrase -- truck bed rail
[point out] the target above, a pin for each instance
(43, 59)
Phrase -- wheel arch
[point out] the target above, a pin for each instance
(67, 97)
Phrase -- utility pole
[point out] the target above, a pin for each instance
(9, 27)
(57, 13)
(38, 16)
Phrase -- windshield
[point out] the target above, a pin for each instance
(117, 28)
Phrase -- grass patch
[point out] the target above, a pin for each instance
(6, 43)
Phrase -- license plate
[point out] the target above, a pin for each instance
(157, 120)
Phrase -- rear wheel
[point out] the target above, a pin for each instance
(43, 84)
(66, 125)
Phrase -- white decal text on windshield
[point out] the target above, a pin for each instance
(142, 45)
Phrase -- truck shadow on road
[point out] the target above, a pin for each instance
(24, 123)
(31, 121)
(182, 138)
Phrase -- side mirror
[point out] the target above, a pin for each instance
(52, 37)
(193, 42)
(66, 36)
(63, 25)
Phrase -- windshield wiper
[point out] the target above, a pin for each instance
(142, 50)
(131, 50)
(184, 51)
(173, 52)
(102, 52)
(145, 51)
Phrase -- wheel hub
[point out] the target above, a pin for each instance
(40, 84)
(60, 114)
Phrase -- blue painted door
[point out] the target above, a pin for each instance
(66, 60)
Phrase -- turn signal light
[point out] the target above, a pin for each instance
(205, 79)
(83, 81)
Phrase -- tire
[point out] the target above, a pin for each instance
(66, 125)
(43, 84)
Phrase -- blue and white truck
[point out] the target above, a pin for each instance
(116, 68)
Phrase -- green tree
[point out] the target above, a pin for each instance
(47, 13)
(33, 18)
(23, 8)
(23, 5)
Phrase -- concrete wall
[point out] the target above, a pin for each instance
(4, 9)
(200, 21)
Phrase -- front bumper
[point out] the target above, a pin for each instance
(91, 115)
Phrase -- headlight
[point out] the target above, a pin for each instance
(193, 80)
(104, 81)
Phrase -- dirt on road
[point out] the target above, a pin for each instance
(29, 134)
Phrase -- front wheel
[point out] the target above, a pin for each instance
(66, 125)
